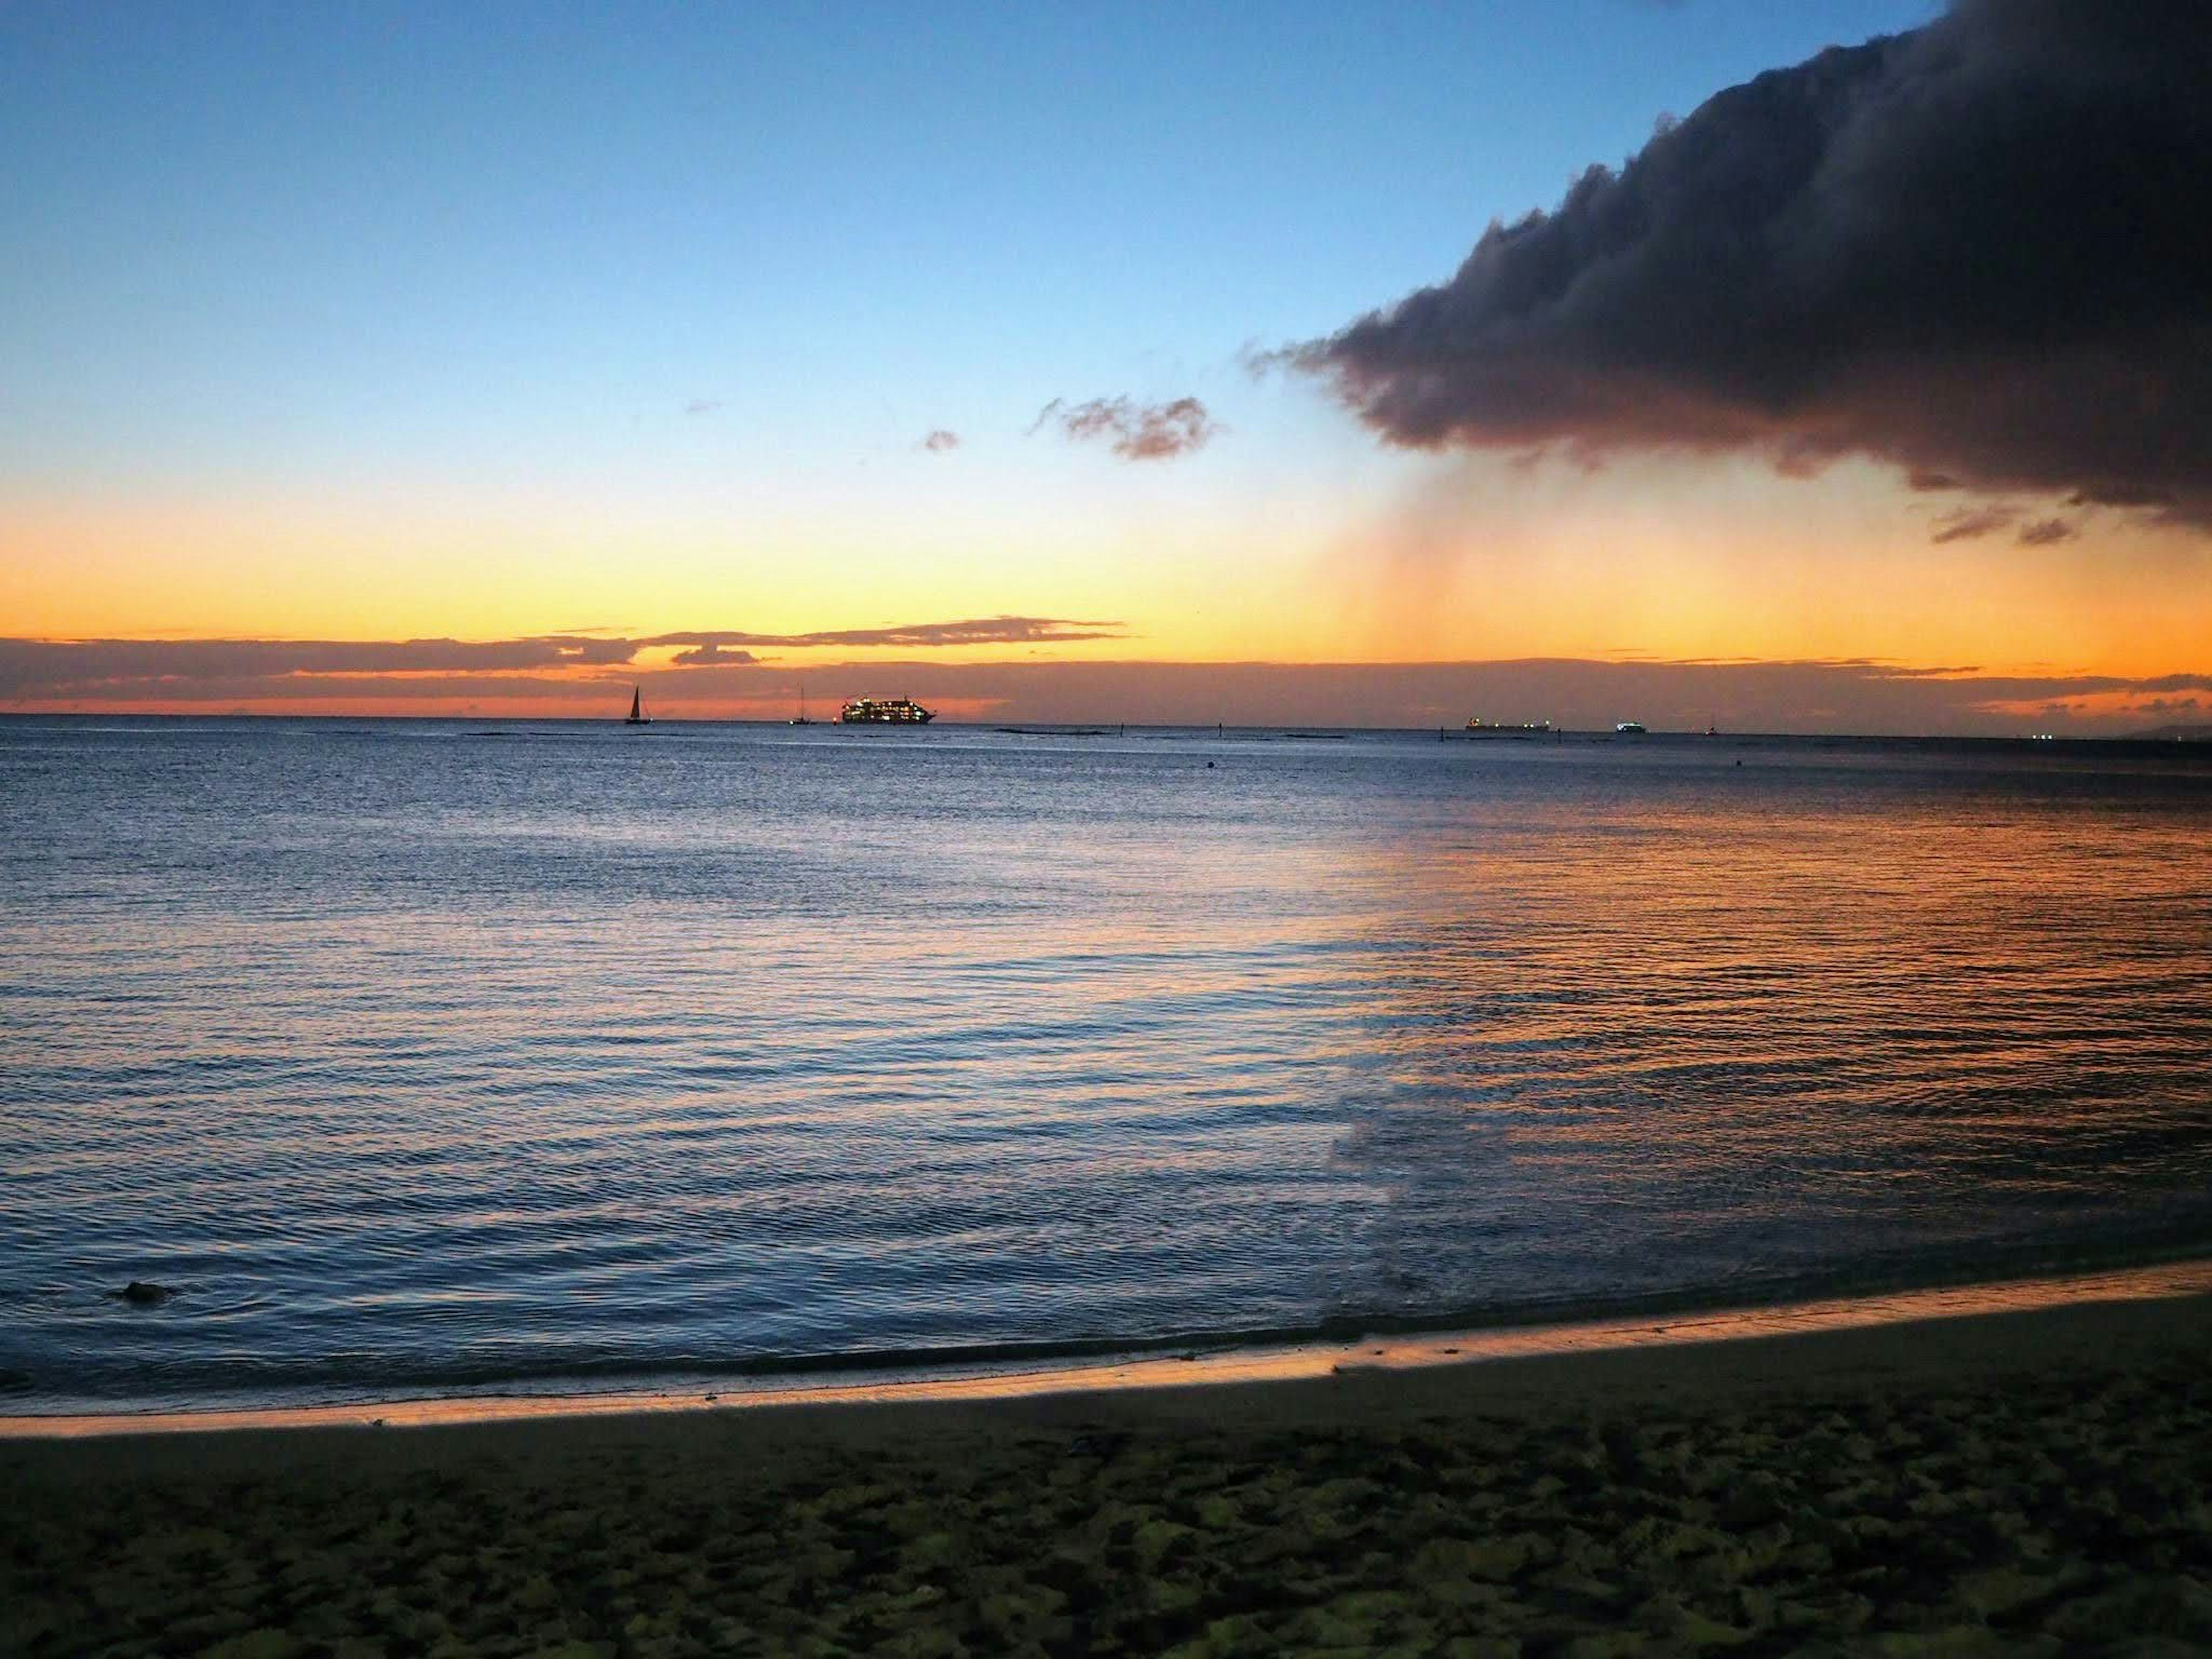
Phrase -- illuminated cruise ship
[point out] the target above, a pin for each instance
(887, 711)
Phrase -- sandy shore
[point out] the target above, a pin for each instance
(2017, 1482)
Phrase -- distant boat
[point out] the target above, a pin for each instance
(637, 716)
(889, 711)
(1629, 728)
(799, 718)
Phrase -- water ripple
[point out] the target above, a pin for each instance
(406, 1061)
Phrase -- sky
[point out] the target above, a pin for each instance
(1097, 363)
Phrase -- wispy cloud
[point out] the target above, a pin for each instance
(980, 631)
(1972, 523)
(1137, 432)
(1969, 523)
(702, 405)
(940, 442)
(29, 664)
(42, 668)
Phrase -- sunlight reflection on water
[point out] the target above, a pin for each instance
(412, 1061)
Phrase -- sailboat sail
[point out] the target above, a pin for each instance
(636, 715)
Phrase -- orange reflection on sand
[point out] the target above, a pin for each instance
(1254, 1366)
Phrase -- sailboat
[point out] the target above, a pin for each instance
(637, 716)
(799, 718)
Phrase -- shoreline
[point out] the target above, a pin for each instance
(1243, 1368)
(2028, 1479)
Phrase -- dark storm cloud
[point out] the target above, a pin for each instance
(1138, 432)
(1978, 251)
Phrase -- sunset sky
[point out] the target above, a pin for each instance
(1049, 362)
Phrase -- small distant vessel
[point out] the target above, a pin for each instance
(637, 716)
(1480, 727)
(799, 718)
(886, 711)
(1629, 728)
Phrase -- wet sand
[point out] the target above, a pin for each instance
(2022, 1482)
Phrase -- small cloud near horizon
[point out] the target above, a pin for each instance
(940, 442)
(702, 405)
(701, 656)
(32, 667)
(977, 631)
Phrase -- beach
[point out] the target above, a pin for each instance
(2021, 1482)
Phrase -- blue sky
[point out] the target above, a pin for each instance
(272, 241)
(363, 322)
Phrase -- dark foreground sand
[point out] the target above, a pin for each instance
(2020, 1483)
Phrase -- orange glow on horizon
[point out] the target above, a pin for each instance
(1416, 562)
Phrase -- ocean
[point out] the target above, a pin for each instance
(433, 1057)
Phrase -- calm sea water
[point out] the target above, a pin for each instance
(432, 1056)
